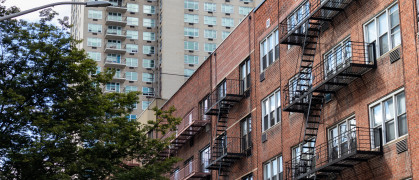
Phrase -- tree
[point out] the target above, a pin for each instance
(55, 120)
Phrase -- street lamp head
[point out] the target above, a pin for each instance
(97, 4)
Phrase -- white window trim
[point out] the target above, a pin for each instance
(272, 33)
(277, 119)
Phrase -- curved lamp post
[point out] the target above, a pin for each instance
(87, 4)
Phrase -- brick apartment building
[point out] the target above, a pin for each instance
(318, 89)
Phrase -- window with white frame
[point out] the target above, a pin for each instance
(117, 72)
(225, 34)
(272, 169)
(191, 45)
(245, 10)
(191, 18)
(131, 62)
(149, 22)
(384, 30)
(148, 91)
(210, 7)
(97, 70)
(132, 34)
(190, 59)
(227, 22)
(226, 8)
(130, 89)
(192, 32)
(132, 7)
(112, 87)
(188, 72)
(149, 36)
(148, 49)
(147, 9)
(297, 17)
(95, 28)
(117, 30)
(114, 44)
(298, 84)
(212, 34)
(94, 42)
(269, 50)
(271, 110)
(93, 14)
(189, 4)
(132, 48)
(336, 58)
(210, 20)
(210, 47)
(148, 63)
(148, 77)
(132, 117)
(205, 157)
(342, 138)
(302, 151)
(388, 115)
(113, 58)
(145, 104)
(248, 177)
(131, 76)
(132, 21)
(94, 55)
(246, 133)
(112, 16)
(245, 74)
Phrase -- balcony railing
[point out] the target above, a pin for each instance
(114, 62)
(115, 34)
(116, 7)
(346, 64)
(193, 169)
(225, 151)
(341, 152)
(225, 96)
(116, 20)
(114, 48)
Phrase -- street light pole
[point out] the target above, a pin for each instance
(87, 4)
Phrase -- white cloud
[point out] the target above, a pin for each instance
(63, 10)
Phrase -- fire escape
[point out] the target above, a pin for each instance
(225, 149)
(306, 91)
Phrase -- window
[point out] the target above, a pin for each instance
(114, 44)
(341, 138)
(97, 70)
(272, 170)
(148, 91)
(95, 28)
(224, 34)
(148, 77)
(148, 49)
(245, 73)
(94, 42)
(246, 0)
(131, 76)
(210, 7)
(132, 21)
(132, 34)
(149, 36)
(145, 104)
(112, 87)
(148, 63)
(298, 84)
(246, 133)
(227, 8)
(117, 73)
(269, 50)
(94, 55)
(389, 116)
(132, 48)
(113, 58)
(149, 22)
(271, 110)
(337, 57)
(302, 151)
(245, 10)
(191, 45)
(297, 17)
(384, 30)
(210, 34)
(210, 47)
(248, 177)
(189, 59)
(203, 107)
(227, 22)
(193, 32)
(147, 9)
(205, 156)
(132, 117)
(132, 7)
(130, 89)
(131, 62)
(188, 72)
(93, 14)
(191, 18)
(117, 30)
(189, 4)
(114, 16)
(210, 20)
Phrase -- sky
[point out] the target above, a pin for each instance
(63, 10)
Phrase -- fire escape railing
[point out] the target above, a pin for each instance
(336, 154)
(226, 151)
(192, 169)
(227, 93)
